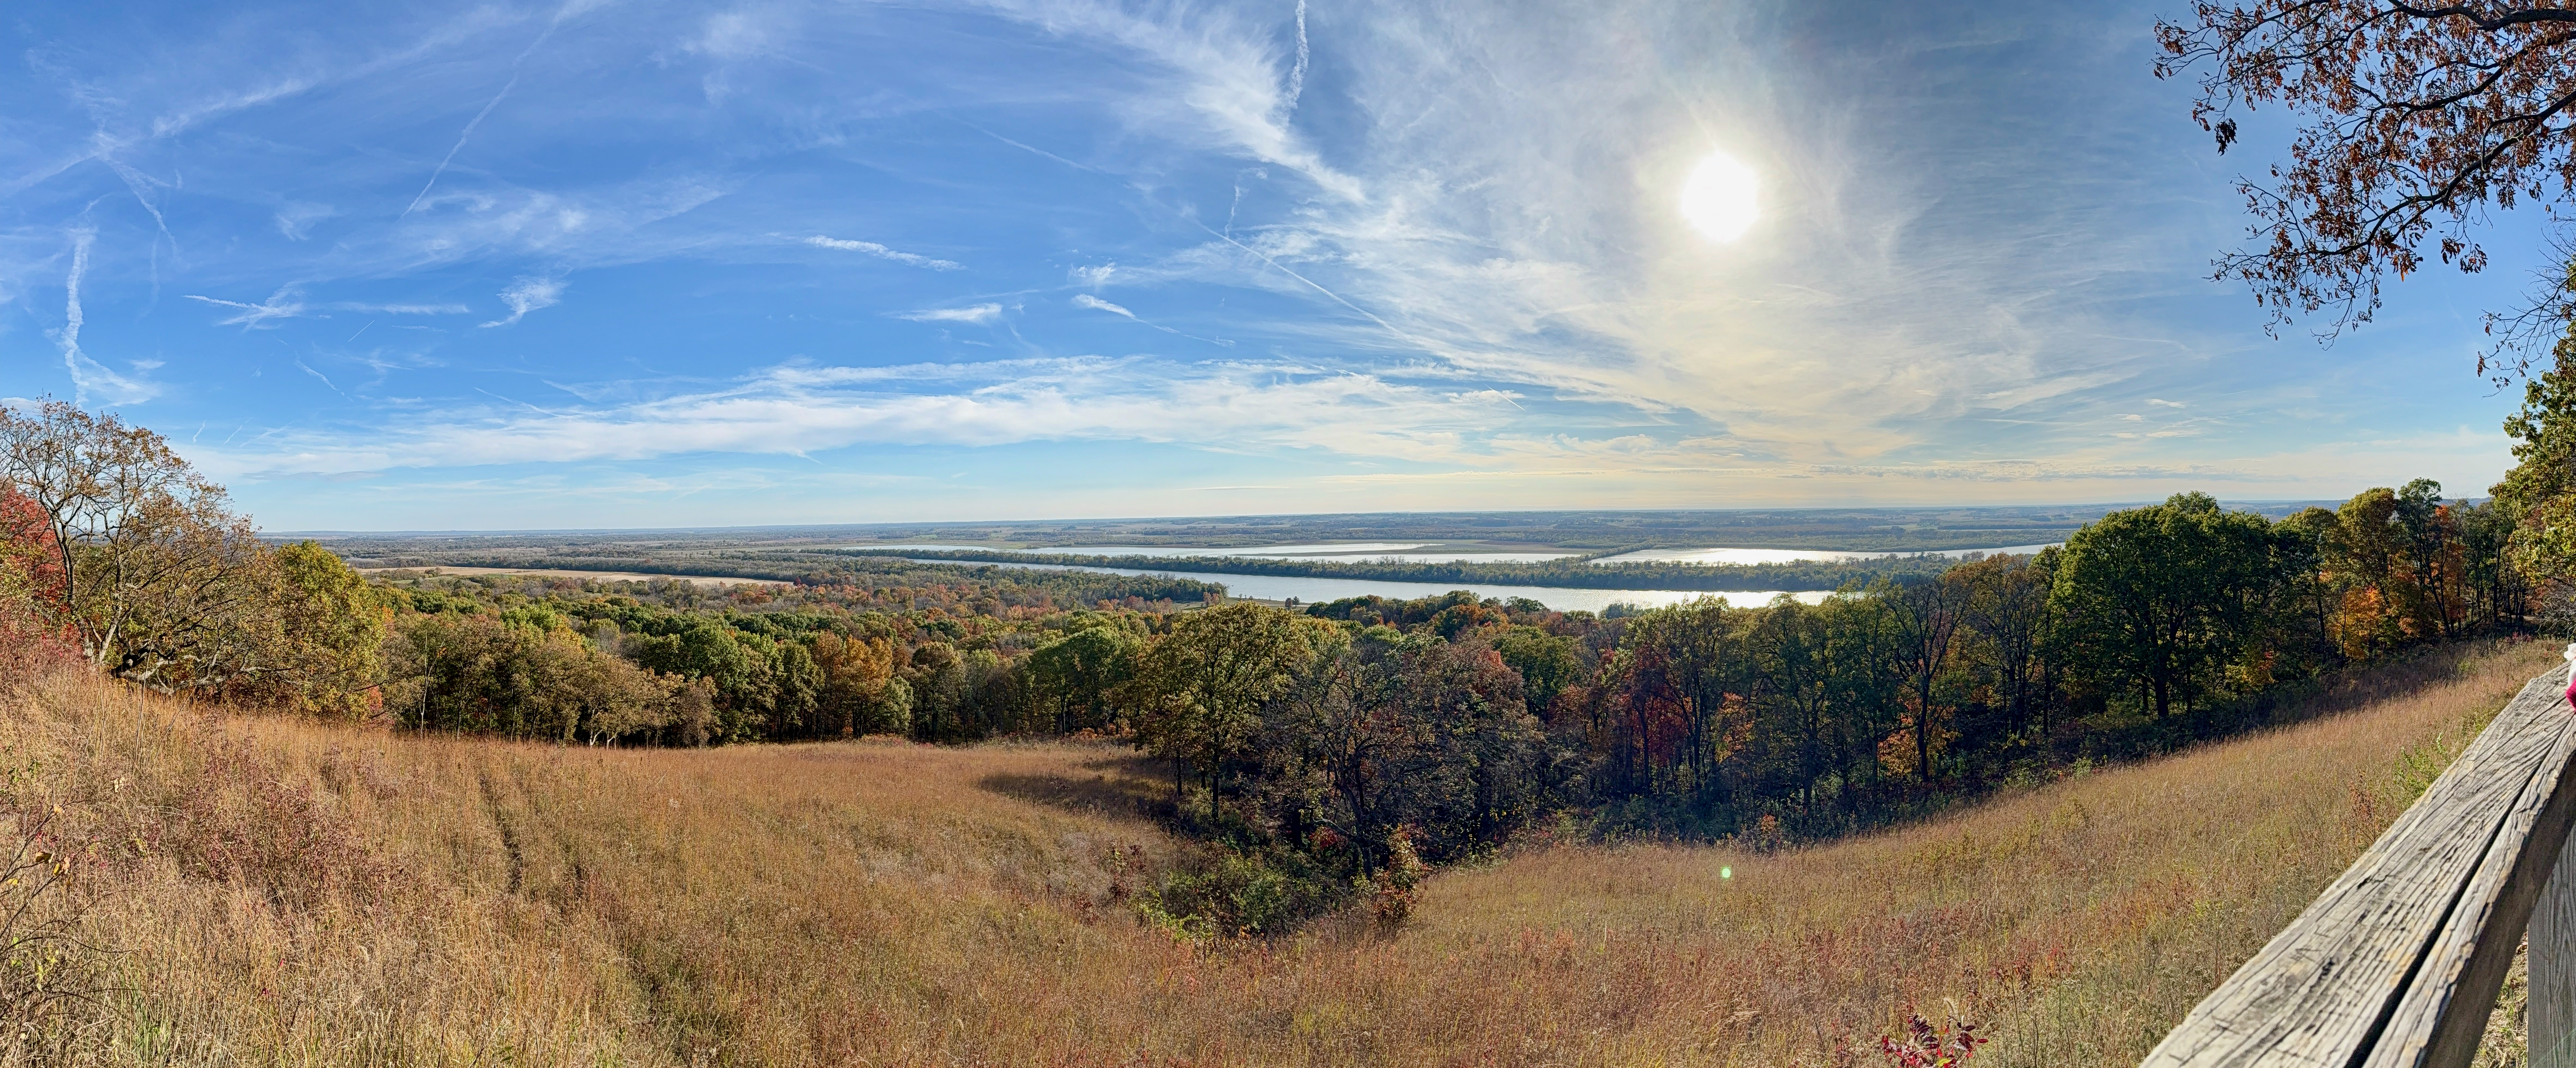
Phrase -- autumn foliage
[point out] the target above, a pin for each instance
(2414, 119)
(31, 590)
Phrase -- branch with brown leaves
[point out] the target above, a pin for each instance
(2417, 119)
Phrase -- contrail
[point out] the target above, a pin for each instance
(460, 143)
(1297, 76)
(70, 336)
(487, 109)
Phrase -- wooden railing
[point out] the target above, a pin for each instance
(2399, 961)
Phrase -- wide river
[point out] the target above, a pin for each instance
(1313, 590)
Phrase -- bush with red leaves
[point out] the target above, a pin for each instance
(1926, 1046)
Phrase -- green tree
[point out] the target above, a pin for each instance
(1343, 741)
(332, 626)
(1080, 672)
(2538, 495)
(2163, 597)
(745, 684)
(1548, 663)
(1203, 687)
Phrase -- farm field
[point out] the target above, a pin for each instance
(274, 891)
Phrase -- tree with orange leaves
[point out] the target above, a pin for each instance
(2416, 117)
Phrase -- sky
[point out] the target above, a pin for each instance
(591, 263)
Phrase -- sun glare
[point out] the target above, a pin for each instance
(1719, 197)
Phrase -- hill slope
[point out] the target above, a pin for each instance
(280, 892)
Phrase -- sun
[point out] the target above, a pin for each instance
(1719, 198)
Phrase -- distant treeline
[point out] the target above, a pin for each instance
(1573, 573)
(892, 576)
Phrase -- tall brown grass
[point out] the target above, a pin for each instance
(270, 891)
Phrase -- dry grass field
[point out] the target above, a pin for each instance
(281, 893)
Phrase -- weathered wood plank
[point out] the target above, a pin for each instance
(2323, 989)
(2550, 1015)
(2443, 1011)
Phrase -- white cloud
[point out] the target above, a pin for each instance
(737, 34)
(527, 295)
(1095, 277)
(1230, 81)
(796, 409)
(978, 313)
(1086, 300)
(881, 252)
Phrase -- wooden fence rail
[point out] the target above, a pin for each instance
(2399, 961)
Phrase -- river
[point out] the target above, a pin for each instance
(1313, 590)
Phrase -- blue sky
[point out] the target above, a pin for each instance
(597, 264)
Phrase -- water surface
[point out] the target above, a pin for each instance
(1314, 590)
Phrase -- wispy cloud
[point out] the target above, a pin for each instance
(295, 220)
(881, 252)
(279, 305)
(1086, 300)
(527, 295)
(975, 313)
(797, 409)
(288, 303)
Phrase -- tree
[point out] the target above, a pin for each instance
(1489, 743)
(1685, 672)
(161, 582)
(1346, 724)
(2312, 588)
(2538, 495)
(1079, 672)
(1548, 663)
(936, 676)
(860, 693)
(332, 629)
(2417, 114)
(2374, 550)
(2432, 541)
(31, 590)
(1927, 612)
(1793, 652)
(527, 674)
(2007, 606)
(745, 681)
(2162, 597)
(1203, 687)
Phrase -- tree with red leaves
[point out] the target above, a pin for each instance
(2416, 118)
(32, 589)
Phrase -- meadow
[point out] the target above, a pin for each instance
(267, 890)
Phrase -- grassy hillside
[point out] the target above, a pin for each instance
(276, 892)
